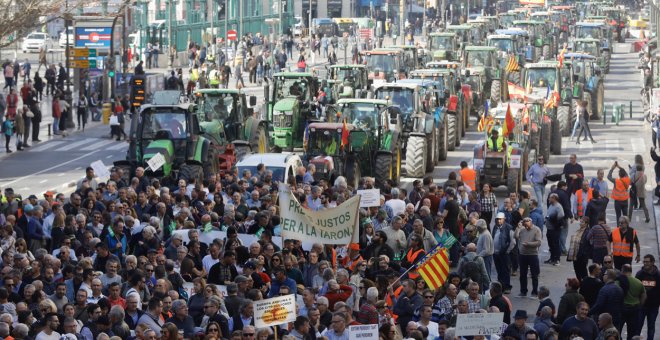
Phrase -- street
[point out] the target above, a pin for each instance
(58, 162)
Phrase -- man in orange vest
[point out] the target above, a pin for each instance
(413, 255)
(620, 191)
(622, 239)
(580, 199)
(468, 176)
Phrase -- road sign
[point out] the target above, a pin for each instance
(82, 52)
(82, 63)
(232, 35)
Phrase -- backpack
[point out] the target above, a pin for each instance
(471, 269)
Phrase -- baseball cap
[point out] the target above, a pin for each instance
(49, 193)
(32, 197)
(28, 207)
(354, 246)
(500, 215)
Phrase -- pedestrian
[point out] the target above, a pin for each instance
(528, 237)
(565, 201)
(537, 177)
(554, 222)
(3, 108)
(9, 75)
(94, 111)
(579, 251)
(226, 74)
(599, 236)
(488, 203)
(599, 183)
(25, 70)
(57, 114)
(503, 243)
(610, 298)
(325, 42)
(27, 123)
(8, 130)
(42, 59)
(574, 174)
(302, 65)
(485, 247)
(66, 110)
(19, 129)
(637, 190)
(114, 125)
(139, 69)
(38, 86)
(649, 275)
(172, 55)
(120, 112)
(81, 110)
(623, 238)
(252, 69)
(238, 73)
(580, 200)
(50, 79)
(633, 299)
(620, 193)
(148, 52)
(62, 76)
(155, 53)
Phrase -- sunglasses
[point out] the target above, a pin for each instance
(429, 297)
(213, 329)
(607, 261)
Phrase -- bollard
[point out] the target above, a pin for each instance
(49, 130)
(107, 112)
(604, 114)
(630, 106)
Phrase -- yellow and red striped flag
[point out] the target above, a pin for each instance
(435, 269)
(512, 65)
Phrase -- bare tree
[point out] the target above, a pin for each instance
(20, 17)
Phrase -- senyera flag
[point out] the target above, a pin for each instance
(434, 268)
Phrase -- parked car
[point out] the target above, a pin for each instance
(35, 41)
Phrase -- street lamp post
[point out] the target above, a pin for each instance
(169, 34)
(68, 95)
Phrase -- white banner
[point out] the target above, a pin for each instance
(363, 332)
(478, 324)
(369, 198)
(274, 311)
(246, 239)
(330, 226)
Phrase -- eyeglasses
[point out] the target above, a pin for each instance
(213, 329)
(429, 297)
(539, 159)
(607, 261)
(248, 334)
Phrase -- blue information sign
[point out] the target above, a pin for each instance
(93, 37)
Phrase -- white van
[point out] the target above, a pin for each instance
(283, 165)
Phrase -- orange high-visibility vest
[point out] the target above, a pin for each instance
(390, 302)
(619, 245)
(620, 190)
(590, 195)
(469, 178)
(412, 274)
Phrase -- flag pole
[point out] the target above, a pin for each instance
(417, 263)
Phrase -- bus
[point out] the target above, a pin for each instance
(345, 25)
(324, 26)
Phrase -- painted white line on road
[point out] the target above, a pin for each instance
(78, 168)
(638, 145)
(118, 146)
(43, 181)
(24, 189)
(76, 144)
(612, 145)
(46, 170)
(60, 174)
(97, 145)
(46, 146)
(109, 156)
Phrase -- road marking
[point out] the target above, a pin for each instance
(46, 170)
(47, 146)
(109, 156)
(24, 189)
(638, 145)
(60, 174)
(43, 181)
(76, 144)
(118, 146)
(97, 145)
(612, 145)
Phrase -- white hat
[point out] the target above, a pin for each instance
(500, 215)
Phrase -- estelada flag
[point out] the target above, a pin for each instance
(561, 57)
(509, 123)
(344, 135)
(435, 268)
(512, 65)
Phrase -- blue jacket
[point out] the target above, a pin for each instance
(275, 287)
(537, 217)
(610, 300)
(35, 229)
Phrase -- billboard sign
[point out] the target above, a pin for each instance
(93, 37)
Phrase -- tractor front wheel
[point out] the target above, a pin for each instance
(416, 156)
(191, 171)
(565, 118)
(451, 131)
(383, 168)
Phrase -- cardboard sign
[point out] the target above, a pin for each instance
(478, 324)
(274, 311)
(363, 332)
(156, 162)
(100, 170)
(515, 162)
(369, 198)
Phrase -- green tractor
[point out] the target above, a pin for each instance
(617, 19)
(590, 78)
(456, 103)
(422, 122)
(509, 45)
(289, 106)
(226, 116)
(592, 47)
(331, 156)
(463, 33)
(596, 30)
(545, 77)
(172, 131)
(443, 46)
(506, 19)
(348, 81)
(382, 154)
(482, 61)
(540, 37)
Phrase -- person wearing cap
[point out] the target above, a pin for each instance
(503, 243)
(281, 280)
(90, 179)
(528, 237)
(33, 200)
(353, 257)
(518, 328)
(249, 270)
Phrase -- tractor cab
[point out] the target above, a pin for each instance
(443, 46)
(222, 113)
(384, 64)
(348, 81)
(462, 32)
(506, 19)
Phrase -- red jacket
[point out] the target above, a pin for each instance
(342, 294)
(57, 112)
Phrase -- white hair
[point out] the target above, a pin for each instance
(372, 294)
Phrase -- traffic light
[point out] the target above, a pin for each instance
(111, 67)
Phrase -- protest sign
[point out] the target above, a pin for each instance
(100, 170)
(478, 324)
(156, 161)
(274, 311)
(330, 226)
(369, 198)
(363, 332)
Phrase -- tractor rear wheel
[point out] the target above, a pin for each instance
(514, 77)
(538, 52)
(546, 52)
(443, 141)
(466, 118)
(241, 150)
(565, 118)
(259, 141)
(459, 125)
(513, 180)
(545, 141)
(606, 55)
(383, 168)
(555, 139)
(451, 131)
(191, 171)
(416, 156)
(431, 150)
(495, 92)
(597, 102)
